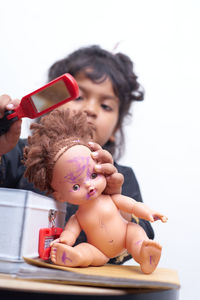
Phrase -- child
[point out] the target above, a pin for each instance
(58, 160)
(108, 87)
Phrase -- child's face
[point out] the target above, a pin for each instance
(74, 179)
(101, 106)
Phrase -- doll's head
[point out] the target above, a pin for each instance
(56, 132)
(74, 179)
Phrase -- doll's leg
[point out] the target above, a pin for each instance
(145, 251)
(82, 255)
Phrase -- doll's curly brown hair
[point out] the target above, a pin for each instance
(60, 129)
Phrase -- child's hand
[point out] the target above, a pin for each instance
(105, 166)
(10, 138)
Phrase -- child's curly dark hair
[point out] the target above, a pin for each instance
(98, 64)
(60, 129)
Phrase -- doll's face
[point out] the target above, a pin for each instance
(74, 179)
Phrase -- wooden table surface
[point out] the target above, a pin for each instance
(10, 286)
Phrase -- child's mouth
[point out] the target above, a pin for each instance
(93, 127)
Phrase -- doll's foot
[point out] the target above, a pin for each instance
(65, 255)
(150, 255)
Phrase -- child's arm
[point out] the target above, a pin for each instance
(139, 209)
(70, 233)
(9, 140)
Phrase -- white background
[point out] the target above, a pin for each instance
(162, 38)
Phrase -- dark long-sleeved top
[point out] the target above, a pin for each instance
(11, 176)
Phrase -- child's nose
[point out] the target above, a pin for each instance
(90, 108)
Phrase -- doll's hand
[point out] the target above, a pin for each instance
(105, 166)
(142, 211)
(54, 242)
(9, 140)
(157, 216)
(59, 240)
(66, 237)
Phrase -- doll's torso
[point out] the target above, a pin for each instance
(103, 225)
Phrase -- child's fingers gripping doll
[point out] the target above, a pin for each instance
(58, 160)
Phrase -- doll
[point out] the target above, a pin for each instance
(59, 161)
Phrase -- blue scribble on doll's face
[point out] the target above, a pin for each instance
(80, 177)
(77, 181)
(81, 172)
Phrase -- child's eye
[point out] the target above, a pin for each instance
(76, 187)
(79, 98)
(106, 107)
(94, 175)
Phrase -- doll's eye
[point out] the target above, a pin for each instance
(76, 187)
(94, 175)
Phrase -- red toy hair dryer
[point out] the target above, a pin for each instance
(41, 101)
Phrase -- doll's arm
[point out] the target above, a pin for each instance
(70, 233)
(139, 209)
